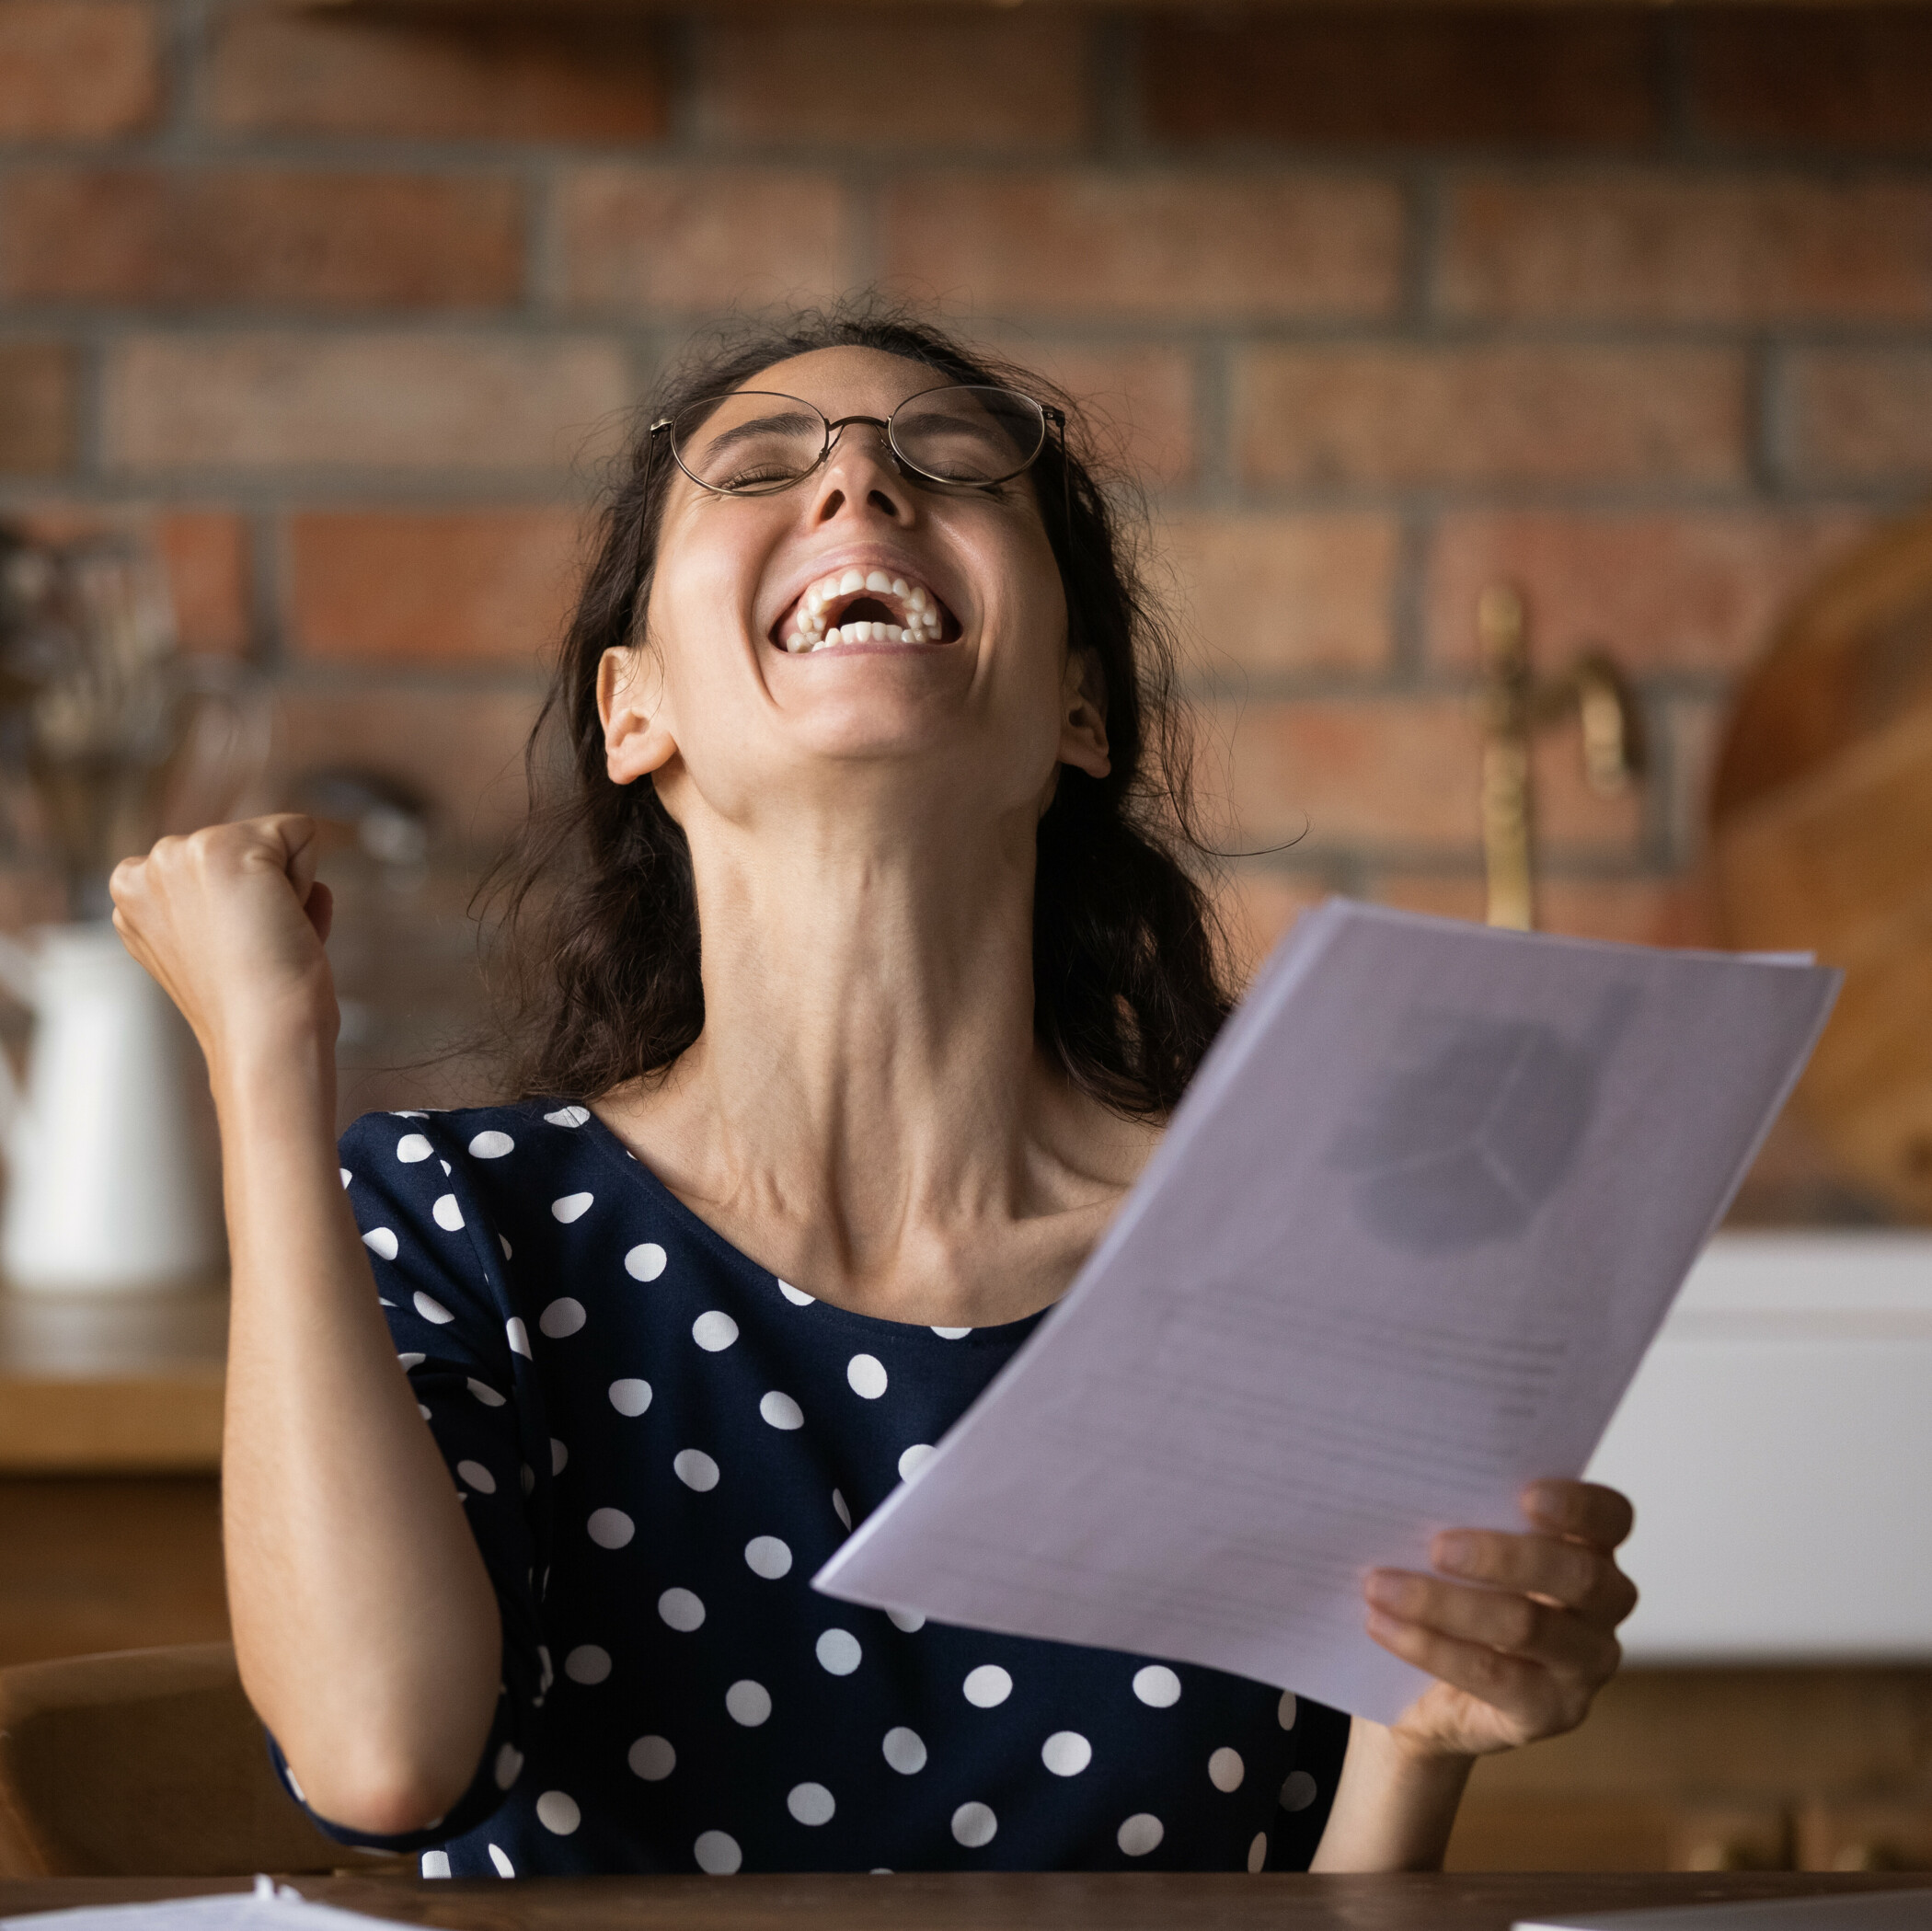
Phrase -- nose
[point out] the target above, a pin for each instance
(860, 474)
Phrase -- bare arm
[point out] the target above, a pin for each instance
(364, 1620)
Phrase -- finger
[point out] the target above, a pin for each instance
(1572, 1574)
(1517, 1625)
(1523, 1691)
(1586, 1511)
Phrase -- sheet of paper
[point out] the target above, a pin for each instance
(266, 1908)
(1401, 1250)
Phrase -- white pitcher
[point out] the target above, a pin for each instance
(111, 1175)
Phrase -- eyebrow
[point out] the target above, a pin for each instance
(756, 426)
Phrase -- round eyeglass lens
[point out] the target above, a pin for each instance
(968, 434)
(748, 443)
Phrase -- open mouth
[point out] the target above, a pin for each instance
(863, 606)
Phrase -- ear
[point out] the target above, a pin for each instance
(637, 741)
(1083, 715)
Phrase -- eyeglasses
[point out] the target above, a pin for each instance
(755, 443)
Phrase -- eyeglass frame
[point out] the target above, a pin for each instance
(1050, 416)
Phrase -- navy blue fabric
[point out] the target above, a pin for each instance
(658, 1443)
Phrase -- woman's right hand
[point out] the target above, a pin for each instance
(231, 922)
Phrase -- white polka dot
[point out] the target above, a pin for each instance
(478, 1477)
(766, 1556)
(435, 1863)
(839, 1651)
(651, 1758)
(572, 1206)
(527, 1476)
(695, 1469)
(904, 1751)
(1066, 1752)
(510, 1765)
(1141, 1833)
(444, 1164)
(952, 1334)
(381, 1240)
(484, 1393)
(446, 1213)
(491, 1145)
(504, 1245)
(556, 1811)
(422, 1411)
(1258, 1851)
(346, 1176)
(562, 1318)
(547, 1676)
(568, 1116)
(987, 1686)
(289, 1776)
(796, 1296)
(1284, 1711)
(559, 1454)
(500, 1858)
(630, 1397)
(408, 1113)
(587, 1663)
(910, 1620)
(840, 1510)
(811, 1803)
(748, 1702)
(973, 1825)
(681, 1610)
(717, 1853)
(432, 1310)
(1225, 1769)
(411, 1361)
(411, 1149)
(714, 1331)
(866, 1375)
(610, 1528)
(911, 1461)
(781, 1411)
(1298, 1792)
(645, 1262)
(1157, 1686)
(519, 1336)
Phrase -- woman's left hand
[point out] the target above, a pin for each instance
(1518, 1630)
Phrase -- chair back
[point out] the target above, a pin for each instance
(144, 1763)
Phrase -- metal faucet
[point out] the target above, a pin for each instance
(1514, 707)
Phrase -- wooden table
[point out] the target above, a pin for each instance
(935, 1901)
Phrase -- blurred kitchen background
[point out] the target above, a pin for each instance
(1457, 345)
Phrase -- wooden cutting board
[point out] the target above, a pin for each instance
(1821, 841)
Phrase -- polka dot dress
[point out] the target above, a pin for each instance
(658, 1444)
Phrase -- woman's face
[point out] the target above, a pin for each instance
(972, 714)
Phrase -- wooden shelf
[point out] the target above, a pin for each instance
(112, 1383)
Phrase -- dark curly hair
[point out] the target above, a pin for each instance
(599, 909)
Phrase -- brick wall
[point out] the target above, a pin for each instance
(1634, 306)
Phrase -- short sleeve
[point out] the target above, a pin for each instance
(438, 1266)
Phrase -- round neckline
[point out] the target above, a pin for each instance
(614, 1153)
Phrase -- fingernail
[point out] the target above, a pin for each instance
(1454, 1551)
(1384, 1589)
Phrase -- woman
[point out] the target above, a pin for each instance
(859, 689)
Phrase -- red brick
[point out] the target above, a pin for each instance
(1689, 591)
(1858, 79)
(37, 407)
(1863, 415)
(408, 402)
(206, 555)
(1391, 771)
(482, 75)
(77, 69)
(869, 77)
(1136, 403)
(1656, 246)
(1641, 911)
(470, 586)
(264, 236)
(1375, 77)
(1221, 245)
(642, 238)
(1270, 594)
(463, 749)
(1256, 906)
(1529, 413)
(1572, 818)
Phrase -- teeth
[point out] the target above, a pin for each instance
(878, 580)
(899, 589)
(853, 580)
(923, 620)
